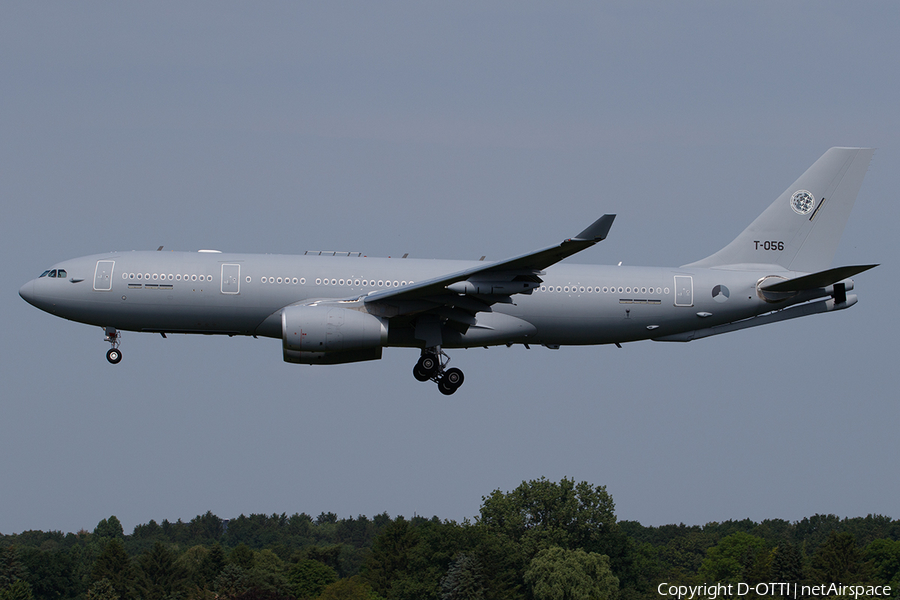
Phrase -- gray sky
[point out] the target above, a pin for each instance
(449, 130)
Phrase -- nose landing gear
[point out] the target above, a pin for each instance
(431, 365)
(114, 355)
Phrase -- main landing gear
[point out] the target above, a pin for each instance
(431, 365)
(112, 336)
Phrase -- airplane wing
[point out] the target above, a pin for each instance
(457, 297)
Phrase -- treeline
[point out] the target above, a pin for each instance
(542, 541)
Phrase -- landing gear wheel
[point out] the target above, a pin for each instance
(419, 375)
(450, 382)
(114, 356)
(454, 377)
(427, 367)
(445, 389)
(429, 363)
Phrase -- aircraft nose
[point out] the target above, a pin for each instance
(27, 292)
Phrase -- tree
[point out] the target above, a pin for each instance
(327, 555)
(308, 578)
(192, 561)
(159, 576)
(51, 573)
(232, 582)
(114, 565)
(11, 569)
(213, 563)
(19, 590)
(206, 528)
(109, 528)
(884, 555)
(540, 514)
(268, 573)
(560, 574)
(242, 556)
(787, 564)
(391, 555)
(464, 579)
(839, 560)
(351, 588)
(737, 557)
(102, 590)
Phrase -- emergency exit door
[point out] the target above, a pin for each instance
(684, 290)
(231, 279)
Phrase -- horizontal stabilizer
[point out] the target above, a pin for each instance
(818, 280)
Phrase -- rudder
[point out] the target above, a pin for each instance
(801, 230)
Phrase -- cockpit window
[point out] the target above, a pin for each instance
(45, 273)
(61, 273)
(52, 273)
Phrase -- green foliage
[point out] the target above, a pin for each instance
(464, 579)
(11, 569)
(738, 557)
(52, 573)
(391, 555)
(212, 563)
(232, 581)
(838, 559)
(644, 568)
(109, 528)
(207, 528)
(269, 574)
(253, 557)
(242, 556)
(18, 590)
(787, 564)
(101, 590)
(350, 588)
(540, 513)
(884, 556)
(327, 555)
(159, 576)
(308, 578)
(114, 565)
(192, 562)
(560, 574)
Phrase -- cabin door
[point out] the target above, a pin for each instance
(103, 275)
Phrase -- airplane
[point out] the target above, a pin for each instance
(342, 307)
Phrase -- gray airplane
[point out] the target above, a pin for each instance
(339, 307)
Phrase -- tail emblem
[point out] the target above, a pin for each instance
(802, 202)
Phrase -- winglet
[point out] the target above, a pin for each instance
(598, 230)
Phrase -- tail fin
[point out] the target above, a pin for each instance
(800, 231)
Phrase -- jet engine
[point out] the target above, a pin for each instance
(327, 335)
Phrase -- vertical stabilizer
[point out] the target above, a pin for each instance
(800, 231)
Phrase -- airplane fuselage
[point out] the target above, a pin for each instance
(243, 294)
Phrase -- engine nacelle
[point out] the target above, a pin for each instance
(330, 335)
